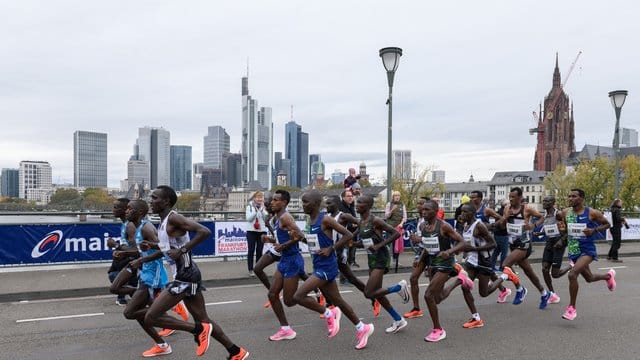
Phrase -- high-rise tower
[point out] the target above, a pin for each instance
(89, 159)
(153, 145)
(257, 140)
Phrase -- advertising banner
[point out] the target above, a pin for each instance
(231, 238)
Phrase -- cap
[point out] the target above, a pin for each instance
(465, 199)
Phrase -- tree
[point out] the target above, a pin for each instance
(559, 183)
(283, 187)
(411, 191)
(595, 177)
(97, 199)
(630, 187)
(65, 199)
(188, 202)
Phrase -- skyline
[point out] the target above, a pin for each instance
(470, 76)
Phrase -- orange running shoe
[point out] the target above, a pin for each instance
(267, 304)
(157, 350)
(473, 324)
(511, 275)
(166, 332)
(376, 308)
(321, 300)
(181, 310)
(415, 313)
(203, 339)
(241, 355)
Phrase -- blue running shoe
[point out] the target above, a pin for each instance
(520, 295)
(544, 299)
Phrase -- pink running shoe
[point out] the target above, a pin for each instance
(283, 335)
(333, 322)
(569, 313)
(502, 295)
(464, 278)
(611, 282)
(363, 336)
(436, 335)
(554, 299)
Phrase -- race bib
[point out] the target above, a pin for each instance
(515, 229)
(575, 229)
(468, 238)
(313, 243)
(431, 244)
(367, 242)
(552, 230)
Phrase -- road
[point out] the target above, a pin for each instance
(94, 328)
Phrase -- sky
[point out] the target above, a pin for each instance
(470, 76)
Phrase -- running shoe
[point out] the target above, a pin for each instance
(520, 295)
(157, 350)
(267, 304)
(473, 323)
(181, 310)
(554, 299)
(121, 302)
(436, 335)
(203, 339)
(569, 313)
(464, 278)
(241, 355)
(397, 326)
(283, 335)
(320, 298)
(502, 295)
(611, 282)
(166, 332)
(404, 291)
(415, 313)
(458, 267)
(363, 336)
(333, 322)
(544, 300)
(376, 308)
(328, 307)
(511, 275)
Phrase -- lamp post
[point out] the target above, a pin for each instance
(390, 59)
(617, 100)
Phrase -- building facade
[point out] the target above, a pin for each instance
(89, 159)
(34, 181)
(216, 143)
(437, 176)
(153, 145)
(401, 164)
(297, 151)
(181, 167)
(138, 173)
(629, 137)
(10, 182)
(257, 140)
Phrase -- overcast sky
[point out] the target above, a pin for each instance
(471, 74)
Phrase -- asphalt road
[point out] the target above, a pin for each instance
(606, 327)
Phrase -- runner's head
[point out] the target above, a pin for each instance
(515, 196)
(468, 213)
(430, 210)
(163, 197)
(137, 210)
(120, 207)
(576, 198)
(333, 203)
(365, 202)
(548, 202)
(311, 201)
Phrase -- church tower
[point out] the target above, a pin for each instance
(555, 130)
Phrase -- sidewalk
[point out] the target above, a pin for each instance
(64, 281)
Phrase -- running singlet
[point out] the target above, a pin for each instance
(476, 258)
(577, 242)
(515, 228)
(186, 269)
(123, 233)
(480, 215)
(434, 243)
(367, 234)
(152, 273)
(283, 237)
(269, 247)
(322, 241)
(550, 227)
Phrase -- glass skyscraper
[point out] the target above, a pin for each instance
(180, 167)
(89, 159)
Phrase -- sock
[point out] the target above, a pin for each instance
(285, 328)
(327, 313)
(233, 350)
(163, 345)
(476, 316)
(394, 289)
(197, 329)
(394, 314)
(359, 326)
(415, 309)
(519, 288)
(544, 293)
(504, 277)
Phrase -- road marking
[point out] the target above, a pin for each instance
(59, 317)
(224, 302)
(612, 267)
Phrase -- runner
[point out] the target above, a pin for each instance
(437, 236)
(554, 232)
(120, 258)
(370, 237)
(419, 263)
(582, 225)
(325, 269)
(187, 286)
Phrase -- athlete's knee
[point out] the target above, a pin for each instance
(555, 273)
(298, 297)
(273, 296)
(546, 267)
(573, 276)
(129, 314)
(290, 302)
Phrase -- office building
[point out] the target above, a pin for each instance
(138, 173)
(232, 169)
(34, 181)
(628, 137)
(297, 151)
(10, 180)
(257, 140)
(89, 159)
(153, 145)
(216, 143)
(180, 167)
(401, 164)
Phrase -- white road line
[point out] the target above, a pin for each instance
(59, 317)
(612, 267)
(346, 291)
(224, 302)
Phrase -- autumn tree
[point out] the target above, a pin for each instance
(188, 202)
(97, 199)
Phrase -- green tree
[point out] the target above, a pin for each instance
(630, 184)
(188, 202)
(282, 187)
(411, 191)
(595, 177)
(97, 199)
(65, 199)
(559, 183)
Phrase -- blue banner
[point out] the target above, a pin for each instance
(59, 243)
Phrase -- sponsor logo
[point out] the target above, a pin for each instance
(48, 243)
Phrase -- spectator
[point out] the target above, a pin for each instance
(351, 179)
(256, 214)
(348, 206)
(616, 230)
(502, 240)
(395, 214)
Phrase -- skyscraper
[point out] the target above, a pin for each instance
(89, 159)
(34, 181)
(629, 137)
(197, 176)
(297, 151)
(10, 181)
(402, 164)
(313, 171)
(437, 176)
(257, 140)
(180, 167)
(153, 146)
(138, 173)
(232, 169)
(216, 143)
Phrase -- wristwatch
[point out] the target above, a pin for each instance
(184, 250)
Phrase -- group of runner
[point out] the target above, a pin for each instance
(326, 238)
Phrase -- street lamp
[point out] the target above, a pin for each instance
(617, 100)
(390, 59)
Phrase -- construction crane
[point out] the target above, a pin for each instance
(552, 104)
